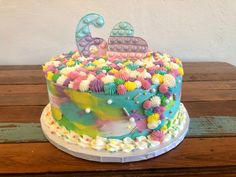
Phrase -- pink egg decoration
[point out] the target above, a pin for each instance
(121, 90)
(147, 104)
(163, 88)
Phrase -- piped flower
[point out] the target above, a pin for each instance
(157, 135)
(96, 85)
(147, 104)
(110, 88)
(122, 75)
(145, 84)
(121, 89)
(130, 85)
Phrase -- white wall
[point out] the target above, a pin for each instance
(31, 31)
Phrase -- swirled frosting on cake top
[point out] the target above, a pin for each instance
(113, 75)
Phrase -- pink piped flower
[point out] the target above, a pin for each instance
(140, 70)
(163, 88)
(145, 84)
(174, 72)
(113, 65)
(147, 104)
(121, 90)
(73, 74)
(79, 79)
(99, 76)
(122, 75)
(76, 85)
(162, 69)
(51, 68)
(157, 135)
(93, 73)
(81, 70)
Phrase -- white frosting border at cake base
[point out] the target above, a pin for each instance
(119, 157)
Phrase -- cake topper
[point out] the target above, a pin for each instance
(121, 44)
(86, 44)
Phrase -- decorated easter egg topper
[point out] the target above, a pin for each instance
(121, 44)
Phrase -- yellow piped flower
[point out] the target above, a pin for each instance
(49, 75)
(44, 67)
(75, 55)
(126, 63)
(113, 71)
(70, 63)
(97, 62)
(90, 67)
(181, 71)
(153, 118)
(130, 85)
(164, 128)
(160, 77)
(178, 61)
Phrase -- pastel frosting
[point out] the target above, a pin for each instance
(112, 97)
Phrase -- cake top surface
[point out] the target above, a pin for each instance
(117, 65)
(97, 73)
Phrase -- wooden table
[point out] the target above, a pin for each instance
(209, 93)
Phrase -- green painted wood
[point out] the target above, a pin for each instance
(215, 126)
(21, 132)
(212, 126)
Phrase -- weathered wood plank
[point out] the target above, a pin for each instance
(212, 127)
(186, 172)
(20, 67)
(199, 127)
(192, 91)
(21, 77)
(43, 158)
(209, 71)
(21, 132)
(211, 108)
(20, 113)
(195, 71)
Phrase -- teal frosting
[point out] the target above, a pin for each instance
(161, 72)
(132, 66)
(110, 88)
(75, 114)
(148, 112)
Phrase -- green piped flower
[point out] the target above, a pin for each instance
(163, 100)
(110, 88)
(107, 68)
(148, 112)
(99, 71)
(160, 72)
(132, 66)
(56, 76)
(119, 81)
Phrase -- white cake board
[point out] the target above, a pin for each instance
(120, 157)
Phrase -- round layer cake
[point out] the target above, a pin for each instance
(112, 103)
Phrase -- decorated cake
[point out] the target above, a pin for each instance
(113, 95)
